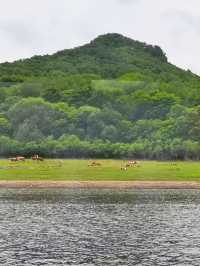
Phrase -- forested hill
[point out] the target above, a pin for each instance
(114, 97)
(108, 55)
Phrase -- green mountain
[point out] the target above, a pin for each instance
(113, 97)
(109, 56)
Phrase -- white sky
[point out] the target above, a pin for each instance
(29, 27)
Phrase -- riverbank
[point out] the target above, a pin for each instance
(101, 184)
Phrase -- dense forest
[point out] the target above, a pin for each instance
(111, 98)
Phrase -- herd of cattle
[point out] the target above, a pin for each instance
(92, 164)
(22, 159)
(124, 168)
(130, 164)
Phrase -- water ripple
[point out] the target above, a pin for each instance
(91, 227)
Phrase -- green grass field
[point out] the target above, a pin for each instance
(78, 170)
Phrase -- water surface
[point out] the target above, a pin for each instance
(99, 227)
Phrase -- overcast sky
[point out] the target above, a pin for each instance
(29, 27)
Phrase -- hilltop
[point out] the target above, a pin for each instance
(109, 56)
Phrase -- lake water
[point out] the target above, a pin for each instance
(99, 227)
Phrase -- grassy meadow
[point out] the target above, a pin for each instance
(78, 170)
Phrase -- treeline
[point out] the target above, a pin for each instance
(73, 147)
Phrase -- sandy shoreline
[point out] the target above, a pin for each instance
(101, 184)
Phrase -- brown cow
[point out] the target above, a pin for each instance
(14, 159)
(133, 163)
(94, 164)
(37, 158)
(18, 159)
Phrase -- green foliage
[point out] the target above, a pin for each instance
(4, 125)
(114, 97)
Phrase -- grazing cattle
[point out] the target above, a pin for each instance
(37, 158)
(94, 164)
(17, 159)
(20, 158)
(14, 159)
(132, 163)
(98, 164)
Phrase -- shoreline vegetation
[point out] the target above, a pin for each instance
(103, 174)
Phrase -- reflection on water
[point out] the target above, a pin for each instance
(99, 227)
